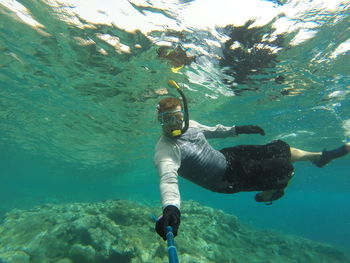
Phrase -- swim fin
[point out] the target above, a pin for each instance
(328, 156)
(177, 69)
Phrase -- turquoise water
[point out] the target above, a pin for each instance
(78, 96)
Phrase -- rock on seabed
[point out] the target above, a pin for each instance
(118, 231)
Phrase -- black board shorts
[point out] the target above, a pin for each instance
(257, 167)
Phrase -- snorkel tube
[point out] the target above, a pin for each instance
(176, 133)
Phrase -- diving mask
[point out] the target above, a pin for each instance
(171, 117)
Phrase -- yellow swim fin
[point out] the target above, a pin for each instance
(176, 70)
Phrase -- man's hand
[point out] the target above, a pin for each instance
(171, 217)
(249, 129)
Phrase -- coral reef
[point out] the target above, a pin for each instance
(122, 231)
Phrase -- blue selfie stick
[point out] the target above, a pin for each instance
(172, 254)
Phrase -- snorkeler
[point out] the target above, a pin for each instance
(183, 150)
(177, 56)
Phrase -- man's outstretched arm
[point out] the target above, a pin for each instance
(167, 161)
(249, 129)
(221, 131)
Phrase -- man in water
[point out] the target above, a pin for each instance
(186, 152)
(177, 56)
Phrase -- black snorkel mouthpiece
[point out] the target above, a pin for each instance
(176, 133)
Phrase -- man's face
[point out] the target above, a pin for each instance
(171, 120)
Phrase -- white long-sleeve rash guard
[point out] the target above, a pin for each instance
(191, 156)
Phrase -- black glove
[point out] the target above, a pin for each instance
(277, 194)
(171, 217)
(249, 129)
